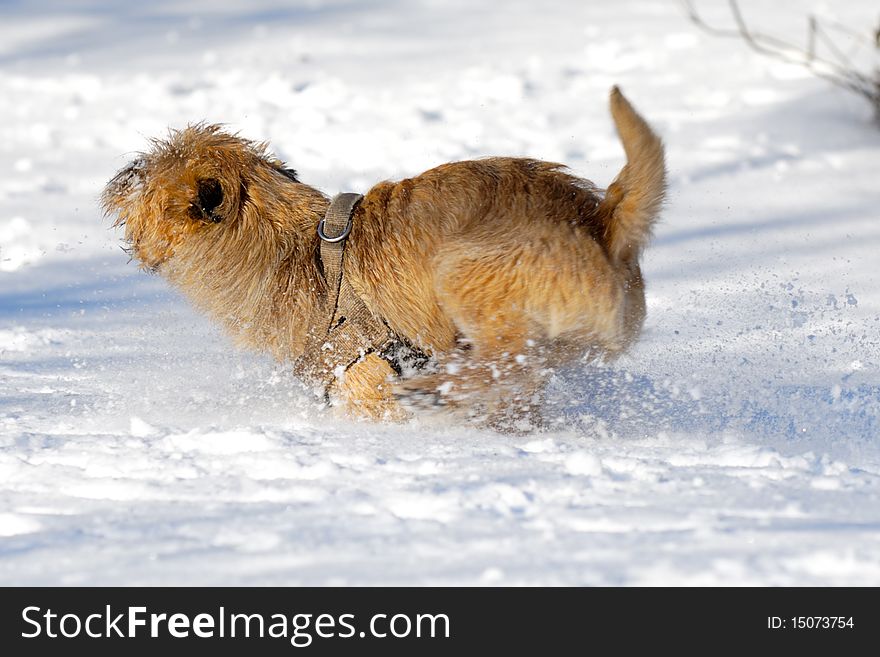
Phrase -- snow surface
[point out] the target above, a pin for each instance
(738, 443)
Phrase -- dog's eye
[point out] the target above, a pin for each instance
(210, 197)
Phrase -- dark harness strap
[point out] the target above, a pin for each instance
(351, 330)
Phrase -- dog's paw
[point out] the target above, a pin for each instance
(419, 394)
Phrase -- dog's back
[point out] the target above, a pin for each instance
(520, 234)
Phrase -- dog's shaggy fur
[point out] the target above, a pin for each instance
(498, 268)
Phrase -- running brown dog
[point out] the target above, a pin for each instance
(497, 269)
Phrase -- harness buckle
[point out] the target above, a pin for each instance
(333, 240)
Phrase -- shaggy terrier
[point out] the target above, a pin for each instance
(461, 287)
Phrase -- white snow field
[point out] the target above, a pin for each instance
(737, 444)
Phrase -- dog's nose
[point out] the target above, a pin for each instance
(123, 184)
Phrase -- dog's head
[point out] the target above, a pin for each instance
(198, 185)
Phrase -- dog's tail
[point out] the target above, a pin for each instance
(632, 202)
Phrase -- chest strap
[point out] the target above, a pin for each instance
(351, 330)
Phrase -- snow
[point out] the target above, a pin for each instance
(738, 443)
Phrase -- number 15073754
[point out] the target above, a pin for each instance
(810, 623)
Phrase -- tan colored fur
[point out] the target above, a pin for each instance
(498, 268)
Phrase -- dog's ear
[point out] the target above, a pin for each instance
(207, 201)
(284, 170)
(287, 172)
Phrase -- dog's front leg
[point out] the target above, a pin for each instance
(366, 390)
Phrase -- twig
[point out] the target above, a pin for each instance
(842, 72)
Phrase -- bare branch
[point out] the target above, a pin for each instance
(841, 72)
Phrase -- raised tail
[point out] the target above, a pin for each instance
(632, 202)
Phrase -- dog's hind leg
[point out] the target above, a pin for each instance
(521, 301)
(497, 372)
